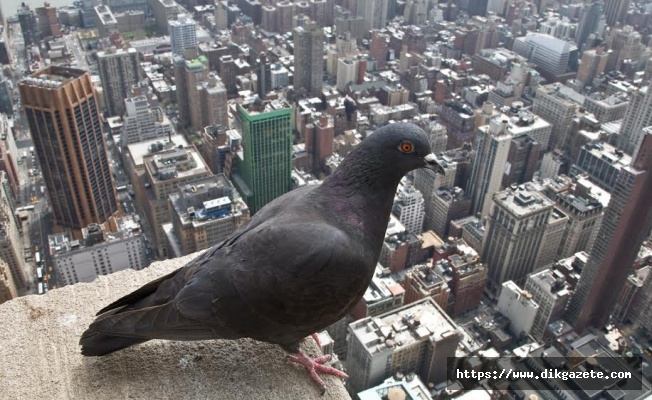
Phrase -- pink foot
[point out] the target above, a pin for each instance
(313, 366)
(315, 337)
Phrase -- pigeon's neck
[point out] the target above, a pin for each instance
(363, 190)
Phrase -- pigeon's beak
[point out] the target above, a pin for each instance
(432, 163)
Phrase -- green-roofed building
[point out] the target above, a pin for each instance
(265, 163)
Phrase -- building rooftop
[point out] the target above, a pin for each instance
(174, 163)
(609, 153)
(52, 77)
(139, 150)
(62, 243)
(410, 387)
(525, 122)
(562, 93)
(206, 200)
(522, 201)
(105, 15)
(521, 295)
(551, 282)
(382, 286)
(501, 56)
(404, 326)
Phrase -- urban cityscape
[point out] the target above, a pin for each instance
(136, 131)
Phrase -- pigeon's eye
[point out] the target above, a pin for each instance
(406, 147)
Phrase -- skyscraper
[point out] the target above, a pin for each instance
(183, 36)
(12, 260)
(374, 13)
(309, 58)
(555, 103)
(492, 148)
(409, 208)
(189, 74)
(637, 117)
(47, 21)
(119, 70)
(64, 120)
(515, 231)
(589, 23)
(6, 97)
(264, 75)
(593, 63)
(28, 24)
(615, 11)
(265, 171)
(626, 223)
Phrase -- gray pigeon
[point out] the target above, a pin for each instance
(299, 265)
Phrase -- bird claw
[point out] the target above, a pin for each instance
(315, 337)
(315, 366)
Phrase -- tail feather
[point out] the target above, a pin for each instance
(98, 344)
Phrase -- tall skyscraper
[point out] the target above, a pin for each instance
(626, 223)
(6, 97)
(266, 170)
(12, 259)
(374, 13)
(589, 23)
(409, 208)
(492, 148)
(584, 212)
(594, 62)
(637, 117)
(183, 36)
(28, 24)
(119, 71)
(66, 128)
(615, 11)
(309, 58)
(212, 97)
(378, 48)
(555, 103)
(264, 75)
(515, 231)
(47, 21)
(189, 74)
(164, 11)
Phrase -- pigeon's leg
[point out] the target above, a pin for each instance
(314, 366)
(315, 337)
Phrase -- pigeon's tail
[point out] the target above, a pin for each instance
(98, 344)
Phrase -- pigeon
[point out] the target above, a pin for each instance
(299, 265)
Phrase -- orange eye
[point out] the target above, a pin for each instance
(406, 147)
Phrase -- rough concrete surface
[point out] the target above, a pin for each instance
(40, 357)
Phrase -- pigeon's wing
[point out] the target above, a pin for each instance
(153, 312)
(281, 276)
(276, 277)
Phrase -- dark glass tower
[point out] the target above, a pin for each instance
(626, 223)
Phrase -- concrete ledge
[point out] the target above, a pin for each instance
(40, 358)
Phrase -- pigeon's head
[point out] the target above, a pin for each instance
(404, 147)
